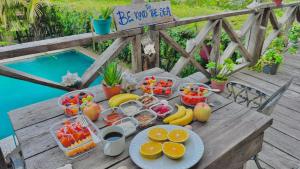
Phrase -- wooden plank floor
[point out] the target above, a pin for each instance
(281, 148)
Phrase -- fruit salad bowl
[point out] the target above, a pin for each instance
(193, 93)
(159, 86)
(73, 138)
(71, 102)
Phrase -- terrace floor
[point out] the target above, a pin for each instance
(281, 148)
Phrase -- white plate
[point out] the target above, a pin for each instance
(194, 151)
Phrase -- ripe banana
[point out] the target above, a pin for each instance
(180, 113)
(116, 100)
(187, 119)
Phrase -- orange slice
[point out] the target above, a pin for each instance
(178, 136)
(173, 150)
(158, 134)
(151, 150)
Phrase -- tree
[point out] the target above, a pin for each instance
(17, 15)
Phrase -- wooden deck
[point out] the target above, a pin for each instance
(281, 148)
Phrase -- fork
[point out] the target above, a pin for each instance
(84, 123)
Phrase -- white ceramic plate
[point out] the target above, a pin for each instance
(194, 151)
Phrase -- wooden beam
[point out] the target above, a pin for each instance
(228, 51)
(198, 40)
(274, 21)
(156, 39)
(136, 59)
(234, 37)
(240, 67)
(247, 25)
(12, 73)
(287, 15)
(61, 43)
(112, 51)
(179, 65)
(257, 36)
(178, 48)
(269, 40)
(290, 20)
(190, 20)
(216, 40)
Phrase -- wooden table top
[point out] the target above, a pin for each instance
(230, 126)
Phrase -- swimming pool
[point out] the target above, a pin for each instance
(16, 93)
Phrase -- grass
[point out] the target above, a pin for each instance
(179, 10)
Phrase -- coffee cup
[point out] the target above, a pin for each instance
(113, 140)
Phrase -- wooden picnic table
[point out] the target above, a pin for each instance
(231, 137)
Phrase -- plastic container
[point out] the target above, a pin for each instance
(131, 107)
(145, 118)
(112, 115)
(128, 124)
(80, 146)
(164, 113)
(193, 93)
(155, 88)
(71, 102)
(148, 100)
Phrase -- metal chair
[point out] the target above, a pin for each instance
(255, 99)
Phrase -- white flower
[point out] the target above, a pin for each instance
(70, 79)
(149, 49)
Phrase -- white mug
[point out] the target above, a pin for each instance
(113, 140)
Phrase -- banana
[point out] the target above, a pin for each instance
(180, 113)
(116, 100)
(187, 119)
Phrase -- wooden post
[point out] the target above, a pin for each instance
(257, 36)
(136, 59)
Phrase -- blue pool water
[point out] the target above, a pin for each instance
(16, 93)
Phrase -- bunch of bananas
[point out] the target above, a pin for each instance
(116, 100)
(182, 117)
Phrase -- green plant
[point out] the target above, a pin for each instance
(221, 72)
(269, 58)
(112, 75)
(278, 44)
(106, 12)
(294, 34)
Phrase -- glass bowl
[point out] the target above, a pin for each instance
(162, 109)
(145, 118)
(72, 138)
(148, 100)
(159, 86)
(71, 102)
(112, 115)
(128, 124)
(193, 93)
(131, 107)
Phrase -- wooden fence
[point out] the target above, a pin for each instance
(251, 40)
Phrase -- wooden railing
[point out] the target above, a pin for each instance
(251, 40)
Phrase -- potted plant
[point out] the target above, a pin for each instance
(272, 58)
(220, 73)
(103, 23)
(278, 2)
(112, 80)
(271, 61)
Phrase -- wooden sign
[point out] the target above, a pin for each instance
(142, 14)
